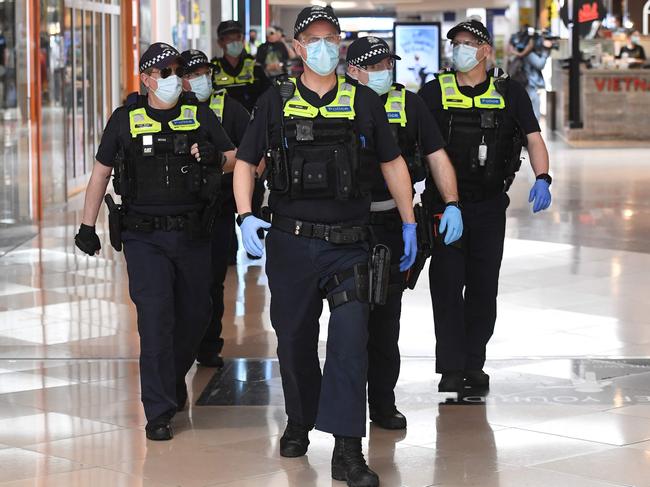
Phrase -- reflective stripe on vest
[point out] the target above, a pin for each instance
(245, 76)
(217, 102)
(341, 107)
(186, 120)
(140, 123)
(453, 98)
(396, 106)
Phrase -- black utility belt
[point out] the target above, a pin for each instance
(149, 223)
(335, 234)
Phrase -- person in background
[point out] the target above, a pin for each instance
(273, 54)
(633, 51)
(253, 43)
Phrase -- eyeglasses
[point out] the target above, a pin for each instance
(466, 43)
(333, 39)
(166, 72)
(197, 74)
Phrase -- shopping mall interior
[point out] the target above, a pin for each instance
(569, 401)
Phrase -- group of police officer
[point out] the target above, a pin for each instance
(341, 155)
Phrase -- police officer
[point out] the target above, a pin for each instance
(234, 119)
(167, 152)
(243, 79)
(237, 71)
(324, 136)
(370, 62)
(485, 118)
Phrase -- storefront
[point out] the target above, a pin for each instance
(62, 65)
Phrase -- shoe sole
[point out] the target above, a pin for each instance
(338, 473)
(386, 427)
(292, 455)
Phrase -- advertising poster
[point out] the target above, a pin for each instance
(418, 44)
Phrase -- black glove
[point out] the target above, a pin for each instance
(209, 154)
(87, 240)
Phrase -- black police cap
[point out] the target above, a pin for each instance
(228, 27)
(474, 27)
(366, 51)
(194, 59)
(159, 55)
(309, 15)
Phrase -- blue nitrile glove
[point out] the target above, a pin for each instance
(540, 195)
(451, 224)
(410, 246)
(252, 242)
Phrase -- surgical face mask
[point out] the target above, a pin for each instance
(380, 81)
(169, 89)
(464, 58)
(322, 57)
(234, 49)
(635, 39)
(202, 87)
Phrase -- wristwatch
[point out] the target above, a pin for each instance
(454, 203)
(243, 216)
(545, 177)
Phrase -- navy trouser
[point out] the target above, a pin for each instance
(220, 246)
(169, 282)
(464, 285)
(384, 324)
(297, 269)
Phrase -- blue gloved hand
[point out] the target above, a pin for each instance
(451, 224)
(252, 242)
(540, 196)
(410, 246)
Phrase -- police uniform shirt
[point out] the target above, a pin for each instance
(117, 134)
(420, 126)
(371, 124)
(234, 121)
(246, 94)
(517, 102)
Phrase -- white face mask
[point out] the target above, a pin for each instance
(169, 89)
(202, 87)
(464, 58)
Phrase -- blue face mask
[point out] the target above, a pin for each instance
(380, 81)
(322, 57)
(169, 89)
(464, 58)
(202, 87)
(234, 49)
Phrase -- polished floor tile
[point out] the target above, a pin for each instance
(569, 362)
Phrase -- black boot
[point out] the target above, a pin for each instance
(477, 379)
(210, 360)
(452, 382)
(159, 429)
(388, 418)
(295, 440)
(349, 464)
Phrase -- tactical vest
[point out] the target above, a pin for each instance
(483, 140)
(156, 167)
(321, 157)
(395, 108)
(217, 101)
(246, 76)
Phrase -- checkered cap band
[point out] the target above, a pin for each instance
(313, 17)
(166, 51)
(379, 50)
(469, 27)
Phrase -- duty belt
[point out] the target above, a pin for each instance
(149, 223)
(336, 234)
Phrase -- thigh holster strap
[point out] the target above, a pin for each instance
(360, 292)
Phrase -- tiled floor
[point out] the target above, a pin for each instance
(570, 404)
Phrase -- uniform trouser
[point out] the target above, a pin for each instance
(169, 282)
(297, 269)
(220, 244)
(383, 327)
(464, 285)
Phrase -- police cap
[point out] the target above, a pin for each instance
(366, 51)
(309, 15)
(159, 55)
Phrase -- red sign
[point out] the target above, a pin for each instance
(622, 83)
(588, 13)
